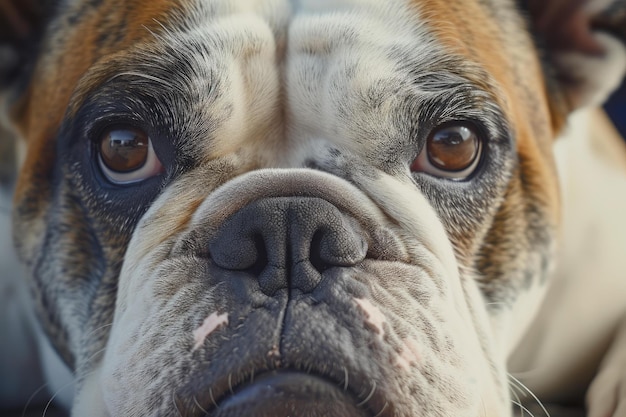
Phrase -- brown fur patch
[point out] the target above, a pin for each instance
(82, 37)
(489, 36)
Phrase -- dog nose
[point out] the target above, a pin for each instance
(288, 242)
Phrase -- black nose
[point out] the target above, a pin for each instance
(288, 242)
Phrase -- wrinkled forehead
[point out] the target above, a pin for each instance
(176, 43)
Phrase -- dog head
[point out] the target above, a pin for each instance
(250, 208)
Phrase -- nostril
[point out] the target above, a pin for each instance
(233, 249)
(341, 243)
(319, 262)
(261, 256)
(288, 242)
(336, 245)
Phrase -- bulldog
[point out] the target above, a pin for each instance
(320, 208)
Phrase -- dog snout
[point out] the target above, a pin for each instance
(288, 242)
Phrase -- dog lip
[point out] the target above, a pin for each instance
(279, 392)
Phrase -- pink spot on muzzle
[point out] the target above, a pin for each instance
(375, 317)
(209, 325)
(409, 355)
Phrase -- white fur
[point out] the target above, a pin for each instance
(585, 302)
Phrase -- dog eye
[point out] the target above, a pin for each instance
(451, 151)
(126, 156)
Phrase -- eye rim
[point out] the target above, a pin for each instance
(423, 164)
(151, 166)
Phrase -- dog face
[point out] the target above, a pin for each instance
(240, 207)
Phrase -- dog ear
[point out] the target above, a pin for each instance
(21, 30)
(585, 45)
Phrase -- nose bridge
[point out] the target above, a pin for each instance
(288, 242)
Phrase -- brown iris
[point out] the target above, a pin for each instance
(453, 147)
(124, 149)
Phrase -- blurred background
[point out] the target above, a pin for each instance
(616, 107)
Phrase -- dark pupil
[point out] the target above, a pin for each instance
(453, 149)
(124, 150)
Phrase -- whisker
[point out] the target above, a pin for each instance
(65, 386)
(518, 387)
(33, 395)
(70, 383)
(195, 400)
(521, 385)
(380, 413)
(518, 401)
(369, 396)
(230, 383)
(174, 402)
(212, 398)
(523, 409)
